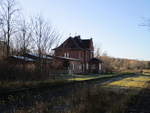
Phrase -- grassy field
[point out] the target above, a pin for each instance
(97, 99)
(57, 81)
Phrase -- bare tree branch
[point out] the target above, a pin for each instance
(45, 36)
(8, 13)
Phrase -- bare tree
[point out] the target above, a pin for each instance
(45, 36)
(24, 37)
(1, 24)
(8, 12)
(98, 52)
(1, 21)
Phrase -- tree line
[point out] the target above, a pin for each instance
(25, 35)
(111, 64)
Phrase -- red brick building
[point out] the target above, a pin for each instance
(80, 49)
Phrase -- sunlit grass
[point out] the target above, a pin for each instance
(89, 77)
(127, 84)
(80, 79)
(132, 82)
(140, 78)
(146, 72)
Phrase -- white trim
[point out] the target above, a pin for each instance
(100, 67)
(87, 66)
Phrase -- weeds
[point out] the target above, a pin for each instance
(85, 100)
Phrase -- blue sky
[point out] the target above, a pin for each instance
(114, 25)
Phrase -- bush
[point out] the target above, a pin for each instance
(15, 72)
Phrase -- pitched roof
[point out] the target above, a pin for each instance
(65, 58)
(76, 43)
(21, 58)
(36, 56)
(96, 60)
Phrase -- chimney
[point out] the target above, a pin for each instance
(77, 37)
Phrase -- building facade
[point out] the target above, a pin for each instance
(80, 49)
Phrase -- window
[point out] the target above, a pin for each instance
(100, 67)
(91, 55)
(73, 67)
(65, 54)
(87, 66)
(80, 55)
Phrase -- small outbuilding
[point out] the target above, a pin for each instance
(95, 65)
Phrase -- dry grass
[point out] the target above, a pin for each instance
(29, 84)
(132, 82)
(85, 100)
(146, 72)
(82, 100)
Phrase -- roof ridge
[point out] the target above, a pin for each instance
(75, 42)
